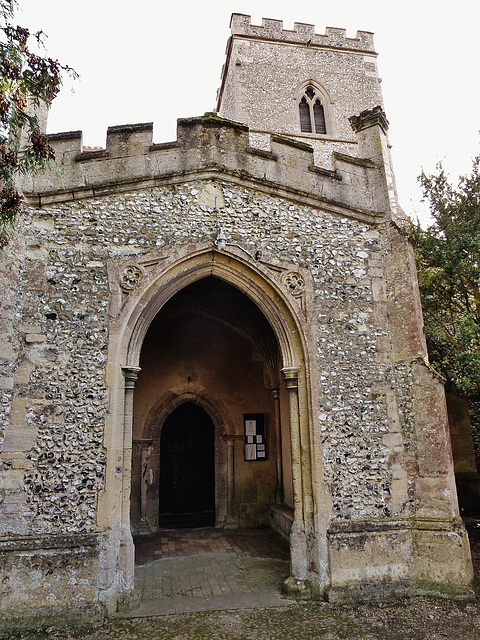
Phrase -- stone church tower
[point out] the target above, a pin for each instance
(225, 330)
(298, 83)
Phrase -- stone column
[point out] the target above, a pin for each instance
(131, 376)
(230, 520)
(126, 562)
(296, 583)
(279, 493)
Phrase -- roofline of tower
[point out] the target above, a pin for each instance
(302, 34)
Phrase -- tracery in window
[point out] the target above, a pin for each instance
(311, 112)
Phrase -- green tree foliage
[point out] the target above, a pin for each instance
(448, 264)
(26, 81)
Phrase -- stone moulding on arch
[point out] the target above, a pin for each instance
(166, 276)
(173, 398)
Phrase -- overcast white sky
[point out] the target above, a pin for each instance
(155, 61)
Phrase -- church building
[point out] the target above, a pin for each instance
(225, 331)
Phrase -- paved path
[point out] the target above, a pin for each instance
(183, 570)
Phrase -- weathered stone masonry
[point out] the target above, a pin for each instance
(360, 466)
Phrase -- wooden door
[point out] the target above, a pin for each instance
(187, 473)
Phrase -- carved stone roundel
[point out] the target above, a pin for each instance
(294, 282)
(131, 277)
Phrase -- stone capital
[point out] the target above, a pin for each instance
(131, 375)
(290, 375)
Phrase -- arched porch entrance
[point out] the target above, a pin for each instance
(155, 286)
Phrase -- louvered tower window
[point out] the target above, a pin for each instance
(312, 114)
(305, 119)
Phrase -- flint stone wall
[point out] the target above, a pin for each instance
(63, 320)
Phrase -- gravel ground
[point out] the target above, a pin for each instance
(409, 619)
(412, 619)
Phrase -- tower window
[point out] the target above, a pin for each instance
(305, 120)
(312, 113)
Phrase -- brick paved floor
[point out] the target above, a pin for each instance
(205, 569)
(254, 543)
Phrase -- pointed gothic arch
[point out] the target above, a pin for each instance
(255, 283)
(158, 282)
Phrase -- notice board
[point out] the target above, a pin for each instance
(255, 436)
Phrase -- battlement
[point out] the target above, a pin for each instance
(240, 25)
(206, 146)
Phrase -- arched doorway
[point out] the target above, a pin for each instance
(187, 473)
(209, 357)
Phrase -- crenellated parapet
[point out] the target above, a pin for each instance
(206, 146)
(240, 25)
